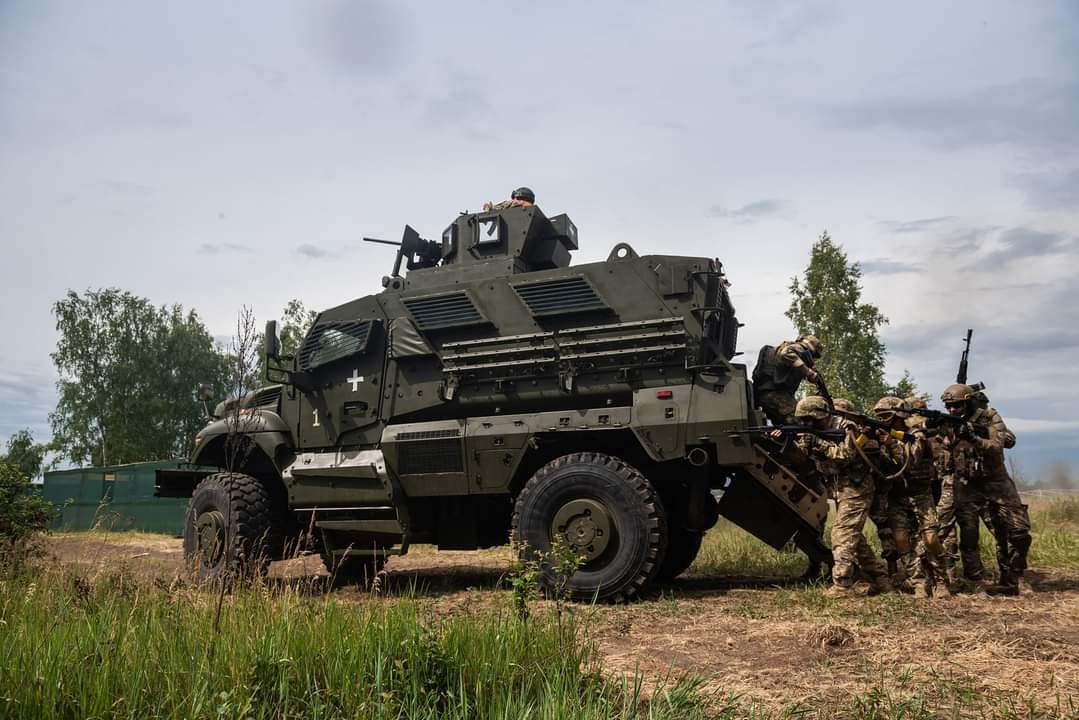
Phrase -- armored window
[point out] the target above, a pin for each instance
(489, 231)
(449, 241)
(334, 340)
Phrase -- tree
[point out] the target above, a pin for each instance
(27, 456)
(906, 387)
(23, 514)
(827, 302)
(129, 372)
(296, 320)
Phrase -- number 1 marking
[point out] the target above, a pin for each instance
(315, 423)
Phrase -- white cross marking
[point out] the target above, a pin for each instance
(356, 379)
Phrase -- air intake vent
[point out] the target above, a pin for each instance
(333, 341)
(556, 297)
(444, 311)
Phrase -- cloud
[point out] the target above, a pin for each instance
(1050, 191)
(26, 399)
(883, 266)
(750, 213)
(314, 252)
(1036, 113)
(464, 108)
(223, 248)
(365, 37)
(914, 226)
(1031, 425)
(1019, 243)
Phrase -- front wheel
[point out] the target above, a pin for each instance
(226, 527)
(604, 510)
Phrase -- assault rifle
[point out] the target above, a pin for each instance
(788, 430)
(961, 376)
(935, 419)
(823, 390)
(866, 421)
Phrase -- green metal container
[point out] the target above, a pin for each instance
(118, 497)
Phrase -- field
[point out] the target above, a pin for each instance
(109, 627)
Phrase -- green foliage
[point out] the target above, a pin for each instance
(296, 320)
(23, 514)
(128, 376)
(906, 387)
(25, 454)
(523, 577)
(827, 302)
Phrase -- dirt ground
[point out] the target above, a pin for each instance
(770, 641)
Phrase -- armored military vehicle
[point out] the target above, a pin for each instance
(493, 388)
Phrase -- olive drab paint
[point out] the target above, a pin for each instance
(419, 413)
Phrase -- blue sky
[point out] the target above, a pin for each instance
(220, 154)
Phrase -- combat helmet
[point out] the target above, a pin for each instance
(956, 394)
(813, 343)
(523, 193)
(813, 406)
(916, 401)
(889, 407)
(843, 404)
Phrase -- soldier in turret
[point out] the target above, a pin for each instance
(779, 372)
(982, 484)
(853, 496)
(521, 196)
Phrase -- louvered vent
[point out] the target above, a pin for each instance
(556, 297)
(333, 341)
(444, 311)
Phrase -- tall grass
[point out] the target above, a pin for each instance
(729, 550)
(114, 648)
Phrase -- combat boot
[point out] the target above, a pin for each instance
(941, 591)
(921, 590)
(840, 591)
(979, 588)
(1022, 586)
(880, 584)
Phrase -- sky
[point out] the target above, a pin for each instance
(222, 154)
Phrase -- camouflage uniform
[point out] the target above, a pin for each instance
(488, 206)
(853, 495)
(983, 485)
(779, 372)
(915, 513)
(949, 538)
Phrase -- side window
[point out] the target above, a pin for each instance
(490, 231)
(332, 341)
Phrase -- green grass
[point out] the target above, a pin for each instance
(114, 648)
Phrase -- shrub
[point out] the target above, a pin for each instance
(23, 515)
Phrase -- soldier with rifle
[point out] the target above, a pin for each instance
(845, 460)
(779, 372)
(912, 512)
(975, 440)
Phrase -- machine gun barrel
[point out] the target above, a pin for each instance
(382, 242)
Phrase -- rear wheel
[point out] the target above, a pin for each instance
(682, 550)
(603, 509)
(226, 527)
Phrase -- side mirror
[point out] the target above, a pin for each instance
(271, 344)
(205, 393)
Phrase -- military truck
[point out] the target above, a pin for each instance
(493, 389)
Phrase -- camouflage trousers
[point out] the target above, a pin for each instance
(946, 518)
(879, 513)
(778, 406)
(916, 528)
(850, 549)
(996, 497)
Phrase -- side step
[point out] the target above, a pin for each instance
(768, 500)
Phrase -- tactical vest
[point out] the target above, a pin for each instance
(771, 375)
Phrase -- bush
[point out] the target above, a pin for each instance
(23, 515)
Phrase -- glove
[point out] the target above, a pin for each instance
(965, 432)
(809, 441)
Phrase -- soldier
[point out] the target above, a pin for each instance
(853, 496)
(521, 196)
(982, 484)
(779, 372)
(943, 492)
(911, 509)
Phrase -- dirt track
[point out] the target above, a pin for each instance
(768, 640)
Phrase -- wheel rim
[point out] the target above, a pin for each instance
(585, 526)
(210, 536)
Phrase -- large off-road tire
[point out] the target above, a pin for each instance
(227, 526)
(604, 509)
(682, 548)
